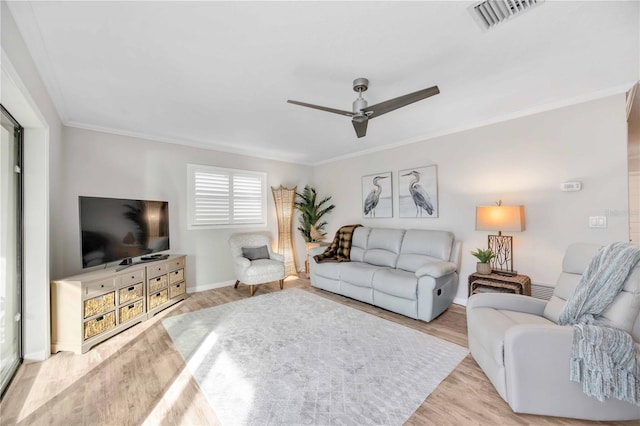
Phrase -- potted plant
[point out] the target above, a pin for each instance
(310, 214)
(484, 256)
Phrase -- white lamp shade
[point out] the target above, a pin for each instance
(500, 218)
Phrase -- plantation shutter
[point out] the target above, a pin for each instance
(226, 197)
(247, 198)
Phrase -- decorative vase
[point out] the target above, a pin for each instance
(483, 268)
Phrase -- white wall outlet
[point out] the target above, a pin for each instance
(571, 186)
(597, 221)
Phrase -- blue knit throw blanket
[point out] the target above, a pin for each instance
(605, 360)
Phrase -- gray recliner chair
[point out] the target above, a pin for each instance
(519, 345)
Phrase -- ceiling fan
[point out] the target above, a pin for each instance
(362, 113)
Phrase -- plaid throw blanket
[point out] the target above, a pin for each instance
(340, 248)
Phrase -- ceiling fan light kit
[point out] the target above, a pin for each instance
(361, 111)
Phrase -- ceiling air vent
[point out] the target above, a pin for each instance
(490, 13)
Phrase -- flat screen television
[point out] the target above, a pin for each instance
(113, 229)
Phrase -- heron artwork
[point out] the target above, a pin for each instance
(420, 197)
(373, 198)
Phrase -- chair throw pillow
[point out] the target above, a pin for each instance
(254, 253)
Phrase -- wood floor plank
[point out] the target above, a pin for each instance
(138, 377)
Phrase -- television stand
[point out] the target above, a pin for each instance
(91, 307)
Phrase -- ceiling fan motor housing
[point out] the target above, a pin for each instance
(360, 85)
(360, 104)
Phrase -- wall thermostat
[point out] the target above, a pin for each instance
(571, 186)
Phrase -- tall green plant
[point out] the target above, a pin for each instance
(311, 212)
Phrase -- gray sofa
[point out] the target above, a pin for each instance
(411, 272)
(518, 343)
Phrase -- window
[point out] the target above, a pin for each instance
(226, 197)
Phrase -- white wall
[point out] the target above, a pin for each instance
(25, 96)
(521, 161)
(109, 165)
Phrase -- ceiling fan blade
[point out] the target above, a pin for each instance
(360, 124)
(321, 108)
(400, 101)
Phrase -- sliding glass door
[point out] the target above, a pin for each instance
(10, 248)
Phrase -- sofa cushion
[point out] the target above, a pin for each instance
(254, 253)
(623, 310)
(396, 282)
(327, 269)
(566, 284)
(429, 243)
(263, 268)
(494, 326)
(575, 261)
(383, 247)
(359, 243)
(358, 273)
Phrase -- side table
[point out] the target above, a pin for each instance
(309, 247)
(518, 284)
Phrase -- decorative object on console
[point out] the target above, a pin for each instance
(418, 192)
(311, 213)
(284, 199)
(484, 256)
(377, 195)
(501, 218)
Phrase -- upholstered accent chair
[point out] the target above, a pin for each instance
(254, 261)
(519, 345)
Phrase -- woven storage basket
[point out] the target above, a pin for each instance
(99, 325)
(176, 276)
(130, 293)
(131, 311)
(177, 289)
(99, 304)
(157, 299)
(158, 283)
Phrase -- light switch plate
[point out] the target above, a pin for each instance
(597, 221)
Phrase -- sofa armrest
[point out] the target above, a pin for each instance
(537, 359)
(509, 302)
(276, 256)
(436, 269)
(316, 250)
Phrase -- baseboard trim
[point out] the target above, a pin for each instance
(460, 301)
(211, 286)
(36, 356)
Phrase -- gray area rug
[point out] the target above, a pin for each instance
(291, 357)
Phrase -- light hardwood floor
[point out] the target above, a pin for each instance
(138, 377)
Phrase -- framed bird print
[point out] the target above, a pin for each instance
(418, 192)
(377, 196)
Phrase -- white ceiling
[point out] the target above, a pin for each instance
(218, 74)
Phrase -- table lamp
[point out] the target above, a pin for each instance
(501, 218)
